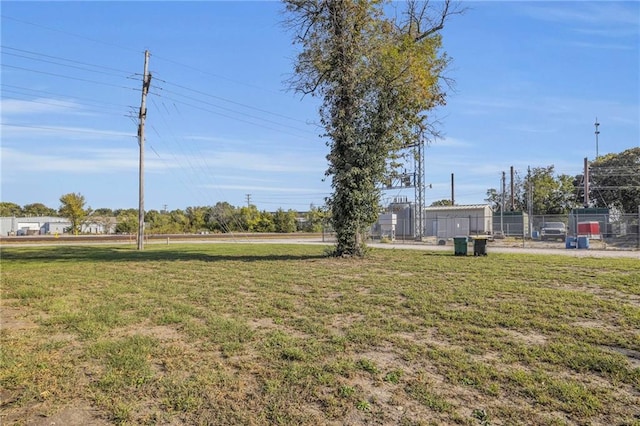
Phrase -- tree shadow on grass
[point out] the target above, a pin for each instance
(128, 254)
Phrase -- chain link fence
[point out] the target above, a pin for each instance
(603, 230)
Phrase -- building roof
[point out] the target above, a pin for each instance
(459, 207)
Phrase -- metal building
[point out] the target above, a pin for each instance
(446, 222)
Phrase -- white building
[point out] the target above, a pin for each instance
(446, 222)
(50, 225)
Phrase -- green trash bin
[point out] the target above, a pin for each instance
(460, 246)
(479, 246)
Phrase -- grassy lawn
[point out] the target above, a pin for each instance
(280, 334)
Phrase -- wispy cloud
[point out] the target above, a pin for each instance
(607, 46)
(39, 106)
(449, 142)
(275, 162)
(80, 161)
(32, 131)
(598, 14)
(550, 106)
(261, 188)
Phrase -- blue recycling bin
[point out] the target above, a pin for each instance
(571, 242)
(583, 242)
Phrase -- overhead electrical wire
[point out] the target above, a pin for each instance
(159, 92)
(233, 102)
(69, 77)
(227, 115)
(64, 103)
(70, 34)
(165, 121)
(84, 102)
(99, 71)
(241, 116)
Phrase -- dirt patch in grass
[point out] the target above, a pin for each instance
(530, 338)
(633, 356)
(77, 415)
(15, 318)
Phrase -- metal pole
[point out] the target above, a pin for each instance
(597, 133)
(513, 201)
(502, 204)
(530, 202)
(586, 182)
(453, 200)
(146, 81)
(419, 189)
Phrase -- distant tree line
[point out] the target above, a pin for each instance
(614, 182)
(221, 218)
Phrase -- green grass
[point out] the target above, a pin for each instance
(281, 334)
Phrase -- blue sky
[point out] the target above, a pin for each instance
(531, 78)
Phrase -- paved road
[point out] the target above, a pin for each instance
(492, 247)
(526, 250)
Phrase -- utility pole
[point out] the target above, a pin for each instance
(419, 188)
(530, 199)
(146, 82)
(453, 200)
(513, 200)
(597, 133)
(248, 200)
(586, 182)
(504, 189)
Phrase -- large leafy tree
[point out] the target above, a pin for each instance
(72, 206)
(285, 221)
(223, 217)
(615, 180)
(314, 219)
(542, 190)
(377, 77)
(441, 203)
(10, 209)
(38, 209)
(126, 221)
(551, 193)
(197, 218)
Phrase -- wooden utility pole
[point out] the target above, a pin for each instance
(146, 82)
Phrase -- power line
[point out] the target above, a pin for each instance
(253, 86)
(229, 109)
(100, 70)
(70, 33)
(234, 102)
(67, 77)
(232, 117)
(59, 104)
(92, 101)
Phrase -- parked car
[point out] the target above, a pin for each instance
(553, 231)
